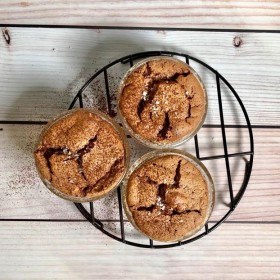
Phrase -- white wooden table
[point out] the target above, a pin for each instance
(41, 69)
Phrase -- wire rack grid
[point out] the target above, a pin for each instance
(234, 200)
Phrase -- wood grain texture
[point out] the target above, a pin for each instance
(42, 69)
(78, 251)
(23, 196)
(193, 14)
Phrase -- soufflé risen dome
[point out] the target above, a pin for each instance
(81, 155)
(168, 197)
(162, 101)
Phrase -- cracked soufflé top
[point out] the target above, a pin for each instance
(167, 198)
(162, 101)
(81, 155)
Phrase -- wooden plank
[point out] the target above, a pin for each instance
(197, 14)
(77, 251)
(42, 69)
(23, 196)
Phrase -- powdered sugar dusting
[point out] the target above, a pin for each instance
(160, 204)
(145, 95)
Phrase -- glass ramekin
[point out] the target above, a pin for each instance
(167, 152)
(122, 137)
(138, 137)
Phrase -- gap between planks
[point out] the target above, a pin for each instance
(183, 29)
(126, 221)
(205, 125)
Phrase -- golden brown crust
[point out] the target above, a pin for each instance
(81, 155)
(162, 101)
(167, 197)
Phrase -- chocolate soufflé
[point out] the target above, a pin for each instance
(162, 101)
(167, 198)
(81, 155)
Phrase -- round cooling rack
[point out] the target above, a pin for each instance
(102, 225)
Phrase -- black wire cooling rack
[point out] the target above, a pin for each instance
(234, 200)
